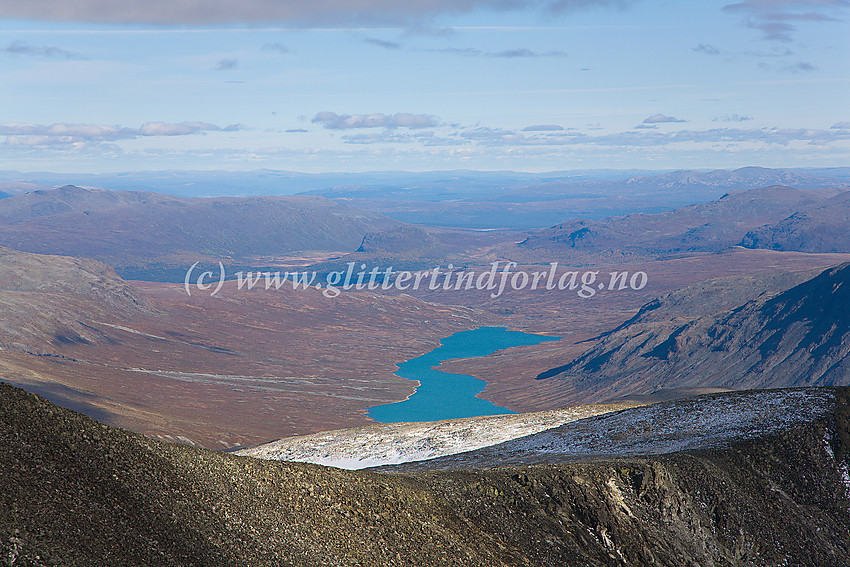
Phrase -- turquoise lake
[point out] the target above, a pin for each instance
(442, 395)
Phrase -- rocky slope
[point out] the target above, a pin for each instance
(76, 493)
(743, 333)
(43, 299)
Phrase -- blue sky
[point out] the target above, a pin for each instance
(366, 85)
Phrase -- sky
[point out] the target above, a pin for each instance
(366, 85)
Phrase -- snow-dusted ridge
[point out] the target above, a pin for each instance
(701, 422)
(394, 443)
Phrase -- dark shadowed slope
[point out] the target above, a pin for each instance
(821, 228)
(775, 336)
(130, 228)
(76, 493)
(708, 227)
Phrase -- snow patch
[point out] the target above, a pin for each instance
(695, 423)
(827, 444)
(845, 477)
(396, 443)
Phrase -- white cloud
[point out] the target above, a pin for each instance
(485, 133)
(799, 67)
(426, 138)
(181, 129)
(732, 118)
(774, 17)
(707, 49)
(662, 119)
(334, 121)
(22, 134)
(642, 136)
(279, 47)
(524, 52)
(383, 43)
(50, 52)
(226, 64)
(515, 53)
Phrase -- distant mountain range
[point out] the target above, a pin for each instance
(130, 228)
(777, 217)
(552, 198)
(148, 235)
(465, 199)
(770, 331)
(496, 186)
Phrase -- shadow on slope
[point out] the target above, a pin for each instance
(74, 492)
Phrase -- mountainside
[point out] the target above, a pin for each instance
(708, 227)
(76, 493)
(760, 334)
(821, 228)
(44, 298)
(131, 228)
(399, 240)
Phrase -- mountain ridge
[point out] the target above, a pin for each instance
(76, 493)
(130, 228)
(791, 335)
(701, 228)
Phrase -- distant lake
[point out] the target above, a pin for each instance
(443, 395)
